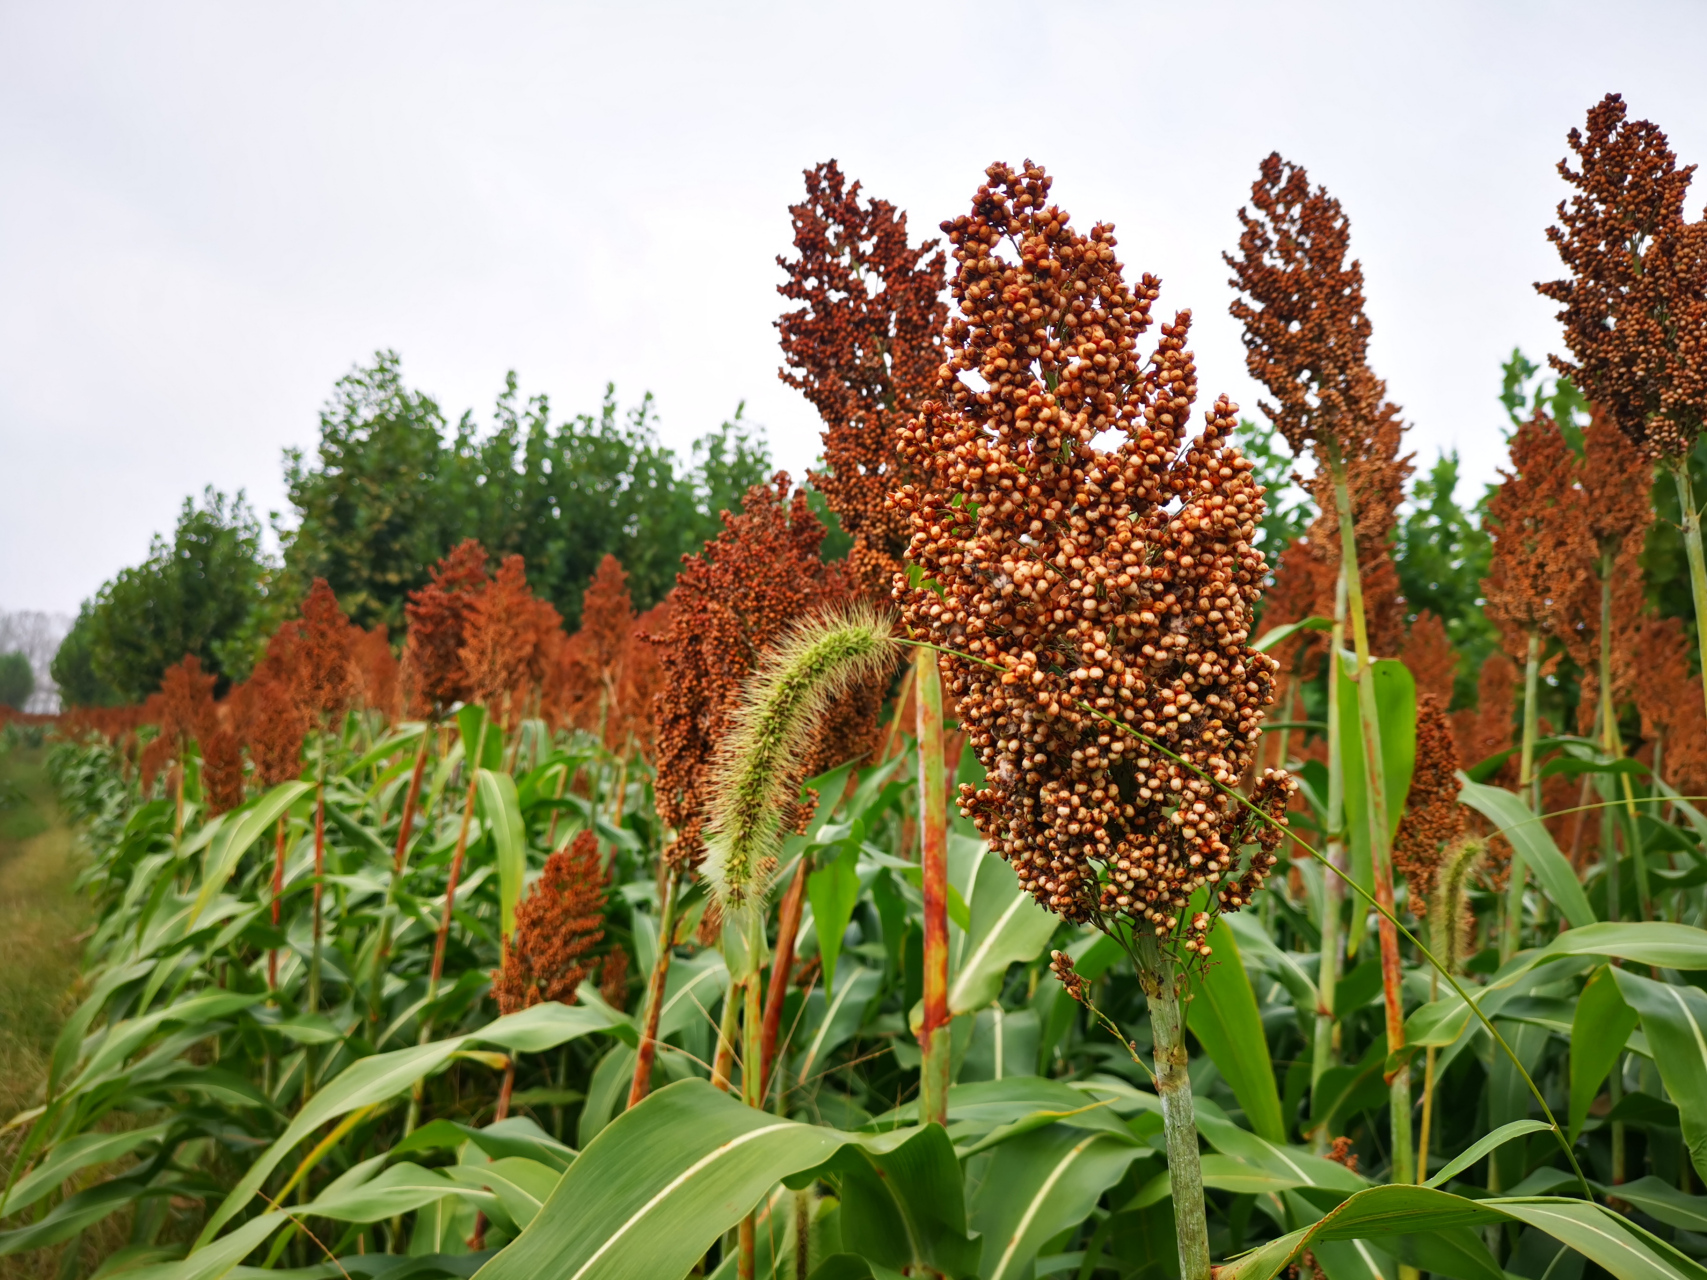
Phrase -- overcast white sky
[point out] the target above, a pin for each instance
(211, 211)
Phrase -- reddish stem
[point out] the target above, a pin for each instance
(409, 801)
(647, 1052)
(450, 890)
(933, 853)
(782, 967)
(278, 892)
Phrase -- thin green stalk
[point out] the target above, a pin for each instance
(1679, 468)
(1380, 831)
(1162, 985)
(933, 827)
(1512, 936)
(752, 1076)
(1325, 1052)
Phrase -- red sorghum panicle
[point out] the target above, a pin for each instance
(1430, 657)
(732, 603)
(222, 768)
(433, 671)
(505, 643)
(1433, 817)
(1109, 589)
(1635, 304)
(1662, 652)
(558, 926)
(378, 678)
(325, 671)
(1538, 548)
(864, 349)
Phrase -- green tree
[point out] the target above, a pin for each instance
(206, 592)
(17, 680)
(1442, 556)
(374, 510)
(393, 486)
(73, 667)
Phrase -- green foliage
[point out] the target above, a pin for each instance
(73, 666)
(393, 486)
(17, 680)
(209, 591)
(1442, 556)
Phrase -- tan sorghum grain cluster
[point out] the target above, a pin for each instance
(731, 603)
(1107, 588)
(864, 348)
(1635, 303)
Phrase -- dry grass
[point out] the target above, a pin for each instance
(40, 923)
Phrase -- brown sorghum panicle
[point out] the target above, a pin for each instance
(1112, 584)
(1635, 304)
(506, 637)
(864, 348)
(433, 671)
(325, 672)
(1536, 527)
(731, 603)
(558, 925)
(1432, 815)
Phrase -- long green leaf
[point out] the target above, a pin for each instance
(1530, 838)
(241, 830)
(904, 1207)
(503, 813)
(402, 1188)
(617, 1214)
(1007, 926)
(1486, 1143)
(1675, 1020)
(79, 1153)
(1601, 1024)
(1223, 1015)
(1276, 636)
(1593, 1231)
(1037, 1186)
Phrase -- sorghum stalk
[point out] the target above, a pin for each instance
(1380, 833)
(382, 953)
(723, 1062)
(1161, 982)
(647, 1051)
(933, 822)
(1324, 1052)
(782, 967)
(1679, 468)
(1445, 909)
(278, 893)
(752, 1072)
(472, 762)
(1512, 937)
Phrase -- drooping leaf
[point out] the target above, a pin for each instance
(1602, 1023)
(1675, 1020)
(240, 830)
(710, 1160)
(1505, 1133)
(1529, 837)
(503, 814)
(1007, 926)
(904, 1207)
(1223, 1015)
(1037, 1186)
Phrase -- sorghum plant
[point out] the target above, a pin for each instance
(1306, 339)
(1634, 306)
(1094, 606)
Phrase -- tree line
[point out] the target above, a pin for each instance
(392, 486)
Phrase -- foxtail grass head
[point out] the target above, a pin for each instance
(761, 761)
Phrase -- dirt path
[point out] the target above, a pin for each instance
(40, 921)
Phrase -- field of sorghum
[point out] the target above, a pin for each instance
(1049, 887)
